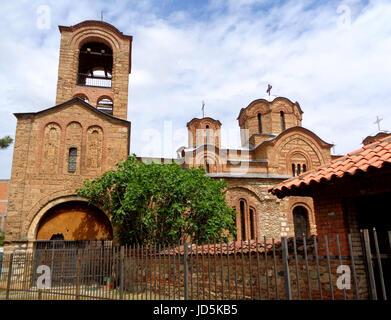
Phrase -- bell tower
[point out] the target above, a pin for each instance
(264, 118)
(95, 63)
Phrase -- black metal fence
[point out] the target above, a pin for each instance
(294, 268)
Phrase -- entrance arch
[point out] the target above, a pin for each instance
(74, 220)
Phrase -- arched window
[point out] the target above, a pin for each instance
(82, 97)
(298, 169)
(95, 65)
(243, 219)
(300, 221)
(207, 134)
(252, 224)
(259, 123)
(282, 120)
(207, 168)
(72, 160)
(293, 169)
(304, 168)
(105, 105)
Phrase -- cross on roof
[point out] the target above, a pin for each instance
(378, 122)
(269, 88)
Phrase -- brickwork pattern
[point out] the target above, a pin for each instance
(72, 38)
(33, 185)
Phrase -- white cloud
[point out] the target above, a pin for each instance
(226, 56)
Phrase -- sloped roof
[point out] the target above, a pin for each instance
(274, 138)
(374, 155)
(69, 102)
(271, 101)
(239, 247)
(204, 118)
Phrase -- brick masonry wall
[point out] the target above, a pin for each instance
(335, 210)
(197, 132)
(71, 41)
(238, 277)
(273, 216)
(40, 172)
(270, 112)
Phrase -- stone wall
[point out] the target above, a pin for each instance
(239, 277)
(274, 216)
(72, 39)
(40, 165)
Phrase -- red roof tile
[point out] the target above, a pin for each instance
(373, 155)
(239, 247)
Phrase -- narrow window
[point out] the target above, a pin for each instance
(298, 169)
(300, 221)
(207, 167)
(293, 169)
(242, 219)
(304, 168)
(207, 134)
(282, 119)
(252, 224)
(260, 123)
(72, 160)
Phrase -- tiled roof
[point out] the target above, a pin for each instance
(373, 155)
(237, 247)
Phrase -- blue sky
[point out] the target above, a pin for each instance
(333, 57)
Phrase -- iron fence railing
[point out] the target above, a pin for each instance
(325, 268)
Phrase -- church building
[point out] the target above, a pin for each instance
(274, 147)
(86, 133)
(80, 138)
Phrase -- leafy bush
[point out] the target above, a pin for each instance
(162, 203)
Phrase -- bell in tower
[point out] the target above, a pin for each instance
(95, 63)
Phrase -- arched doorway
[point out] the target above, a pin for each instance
(300, 221)
(70, 225)
(74, 220)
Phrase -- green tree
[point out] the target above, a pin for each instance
(1, 238)
(5, 142)
(162, 203)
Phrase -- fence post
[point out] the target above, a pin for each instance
(383, 287)
(78, 275)
(287, 276)
(121, 274)
(185, 271)
(9, 276)
(368, 256)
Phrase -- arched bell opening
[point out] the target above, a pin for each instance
(95, 65)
